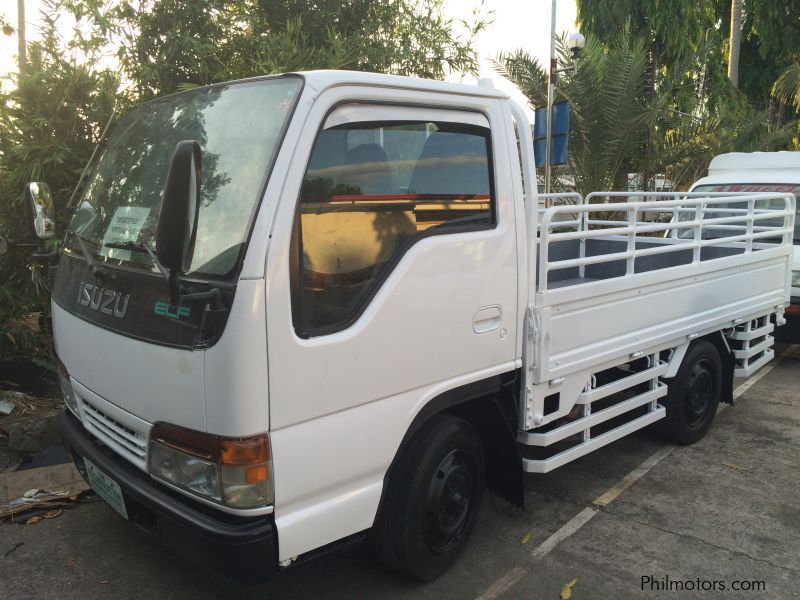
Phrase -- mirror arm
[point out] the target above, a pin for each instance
(13, 244)
(175, 296)
(214, 295)
(171, 277)
(45, 258)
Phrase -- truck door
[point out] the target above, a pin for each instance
(392, 279)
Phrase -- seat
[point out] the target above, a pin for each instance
(452, 163)
(368, 169)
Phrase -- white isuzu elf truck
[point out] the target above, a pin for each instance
(295, 311)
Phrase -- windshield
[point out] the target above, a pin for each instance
(792, 188)
(238, 126)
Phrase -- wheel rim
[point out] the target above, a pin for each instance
(699, 398)
(449, 502)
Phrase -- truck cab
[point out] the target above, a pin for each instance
(359, 235)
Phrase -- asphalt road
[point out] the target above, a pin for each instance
(725, 511)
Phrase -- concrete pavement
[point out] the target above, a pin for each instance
(724, 511)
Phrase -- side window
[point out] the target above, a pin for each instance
(371, 191)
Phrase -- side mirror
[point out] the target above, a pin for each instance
(177, 221)
(41, 210)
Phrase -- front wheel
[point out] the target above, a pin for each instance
(693, 395)
(432, 499)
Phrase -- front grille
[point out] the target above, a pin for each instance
(131, 444)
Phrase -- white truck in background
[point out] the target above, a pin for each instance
(747, 172)
(295, 311)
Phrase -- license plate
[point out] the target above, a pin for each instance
(106, 488)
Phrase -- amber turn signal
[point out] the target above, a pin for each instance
(256, 474)
(247, 451)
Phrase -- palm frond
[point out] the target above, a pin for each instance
(524, 71)
(787, 86)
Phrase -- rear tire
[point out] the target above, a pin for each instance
(693, 395)
(432, 499)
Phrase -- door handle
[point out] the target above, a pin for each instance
(487, 318)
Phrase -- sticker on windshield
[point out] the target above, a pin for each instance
(125, 226)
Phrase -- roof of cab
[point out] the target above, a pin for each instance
(321, 80)
(754, 161)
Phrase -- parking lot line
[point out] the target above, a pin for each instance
(623, 484)
(513, 575)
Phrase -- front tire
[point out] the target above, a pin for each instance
(693, 395)
(432, 499)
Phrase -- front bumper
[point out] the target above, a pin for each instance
(238, 549)
(790, 332)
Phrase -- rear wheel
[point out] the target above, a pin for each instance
(693, 395)
(432, 499)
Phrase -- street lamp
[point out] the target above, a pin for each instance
(575, 43)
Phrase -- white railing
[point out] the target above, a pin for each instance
(692, 222)
(561, 199)
(660, 196)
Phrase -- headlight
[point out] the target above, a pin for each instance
(236, 472)
(187, 471)
(66, 387)
(795, 278)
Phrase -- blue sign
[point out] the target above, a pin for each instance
(559, 134)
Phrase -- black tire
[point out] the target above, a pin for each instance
(432, 499)
(693, 395)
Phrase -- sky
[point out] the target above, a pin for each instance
(517, 24)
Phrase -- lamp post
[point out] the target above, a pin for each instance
(575, 43)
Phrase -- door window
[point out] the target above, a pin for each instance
(371, 190)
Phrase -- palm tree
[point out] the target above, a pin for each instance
(787, 86)
(609, 116)
(735, 42)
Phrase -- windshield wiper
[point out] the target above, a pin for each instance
(94, 267)
(213, 294)
(141, 248)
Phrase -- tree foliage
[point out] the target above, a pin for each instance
(522, 68)
(679, 28)
(49, 122)
(770, 42)
(672, 29)
(164, 45)
(5, 27)
(787, 86)
(609, 112)
(685, 146)
(624, 121)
